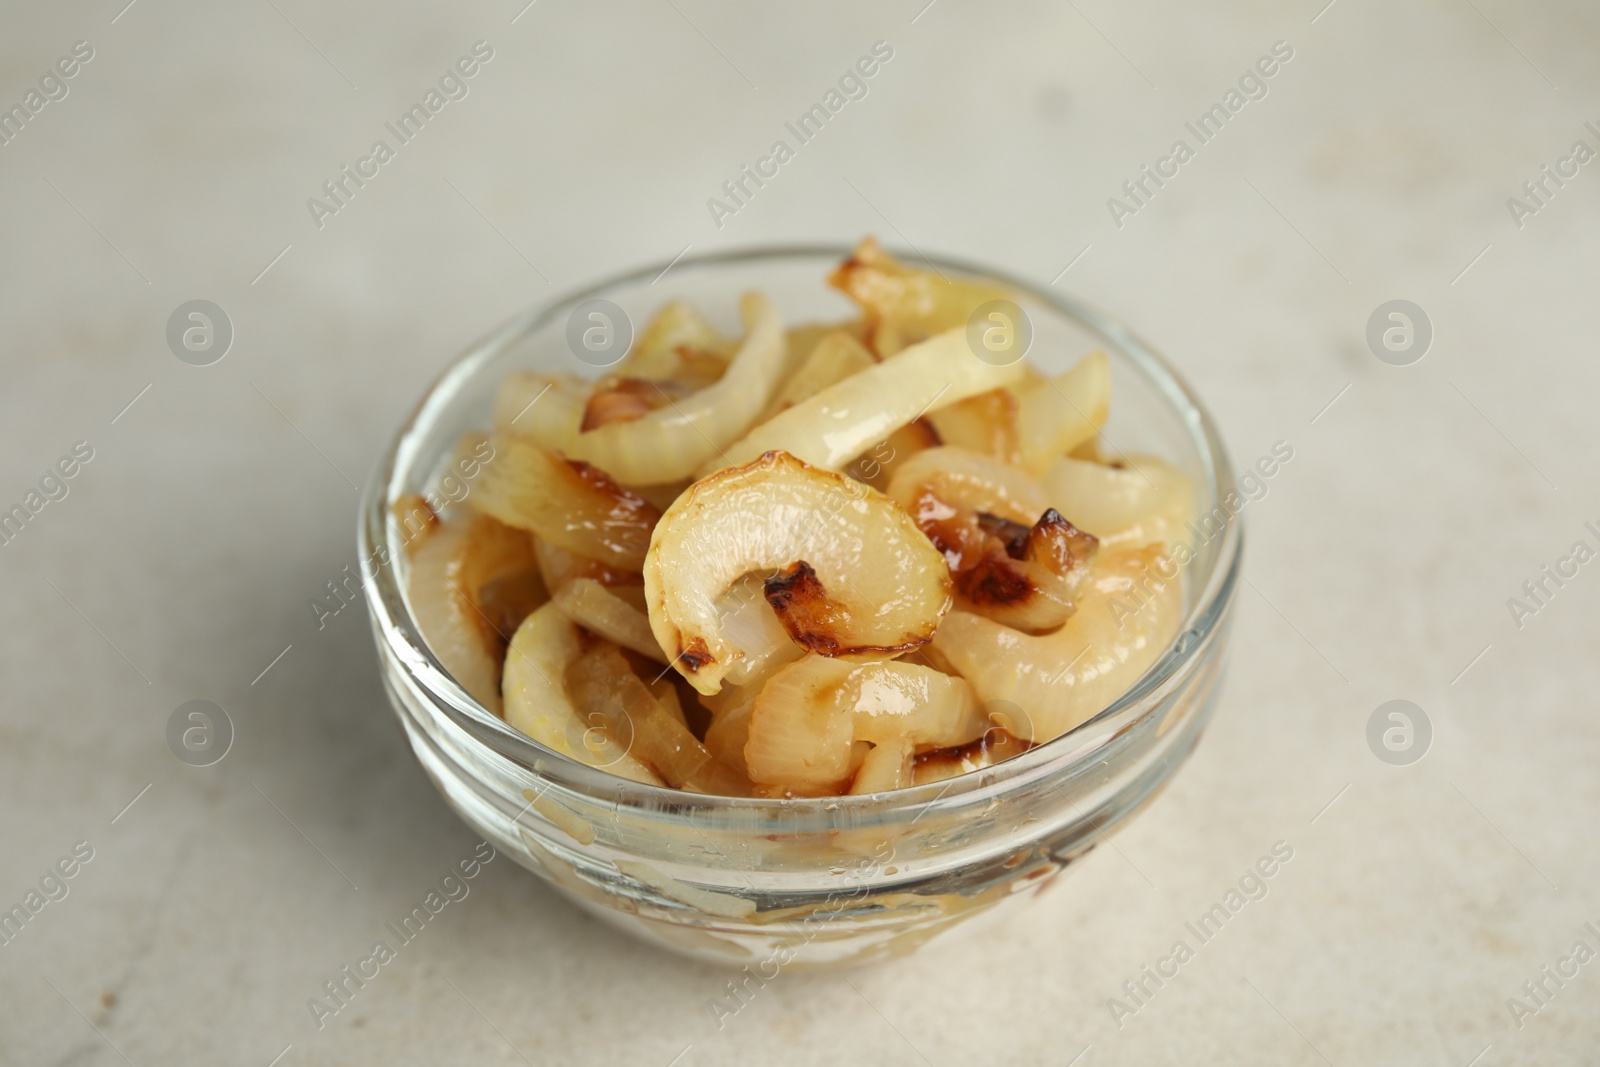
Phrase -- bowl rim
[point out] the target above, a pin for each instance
(1058, 757)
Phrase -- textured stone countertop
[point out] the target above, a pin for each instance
(176, 163)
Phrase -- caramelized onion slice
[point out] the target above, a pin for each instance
(570, 504)
(1058, 545)
(1021, 594)
(1059, 414)
(1027, 578)
(812, 619)
(1014, 559)
(537, 703)
(961, 478)
(866, 554)
(810, 715)
(849, 417)
(1128, 613)
(996, 746)
(600, 611)
(624, 399)
(1143, 501)
(450, 572)
(669, 443)
(621, 400)
(903, 304)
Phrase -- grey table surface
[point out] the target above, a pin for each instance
(1382, 562)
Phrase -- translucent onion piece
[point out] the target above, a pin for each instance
(894, 701)
(731, 696)
(559, 566)
(850, 417)
(663, 495)
(730, 730)
(505, 600)
(887, 766)
(1145, 501)
(835, 356)
(571, 505)
(414, 520)
(1031, 376)
(698, 368)
(1058, 415)
(800, 730)
(536, 700)
(676, 327)
(1127, 615)
(986, 423)
(602, 684)
(543, 408)
(671, 442)
(867, 554)
(632, 595)
(809, 716)
(800, 340)
(452, 480)
(1091, 451)
(731, 706)
(595, 608)
(877, 466)
(720, 779)
(751, 626)
(667, 695)
(448, 575)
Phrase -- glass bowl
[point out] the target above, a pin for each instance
(813, 881)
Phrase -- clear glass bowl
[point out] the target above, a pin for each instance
(818, 881)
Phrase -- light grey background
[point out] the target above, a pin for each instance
(1380, 562)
